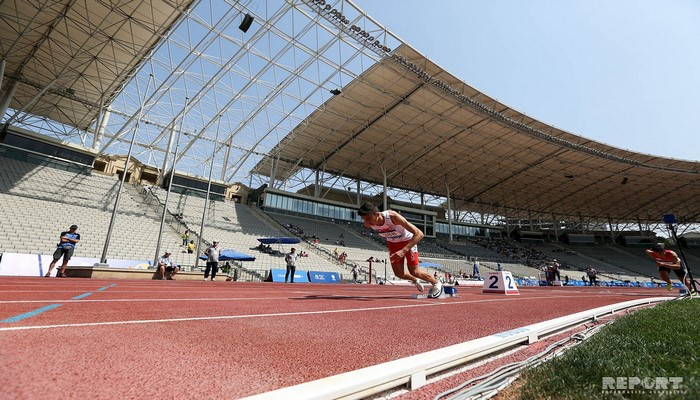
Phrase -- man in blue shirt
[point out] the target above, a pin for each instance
(64, 248)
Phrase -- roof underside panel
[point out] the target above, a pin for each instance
(67, 57)
(179, 76)
(392, 121)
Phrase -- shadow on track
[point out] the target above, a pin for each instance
(360, 298)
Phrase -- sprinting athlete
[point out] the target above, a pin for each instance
(402, 238)
(667, 261)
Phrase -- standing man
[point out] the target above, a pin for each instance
(65, 248)
(555, 269)
(165, 264)
(355, 273)
(212, 253)
(592, 276)
(667, 261)
(402, 238)
(475, 269)
(291, 260)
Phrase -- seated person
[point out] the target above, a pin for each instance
(165, 264)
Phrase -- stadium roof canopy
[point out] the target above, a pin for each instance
(409, 121)
(244, 99)
(69, 58)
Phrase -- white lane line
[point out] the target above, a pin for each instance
(222, 317)
(321, 297)
(314, 296)
(226, 317)
(142, 300)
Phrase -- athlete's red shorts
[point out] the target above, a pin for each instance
(411, 256)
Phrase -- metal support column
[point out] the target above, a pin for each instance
(170, 183)
(103, 259)
(449, 211)
(100, 131)
(205, 211)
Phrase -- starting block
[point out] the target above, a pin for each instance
(447, 291)
(500, 282)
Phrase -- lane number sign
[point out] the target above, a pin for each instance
(500, 282)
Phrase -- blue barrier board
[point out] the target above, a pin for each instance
(277, 275)
(323, 277)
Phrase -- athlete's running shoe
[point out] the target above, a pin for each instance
(419, 285)
(669, 287)
(436, 290)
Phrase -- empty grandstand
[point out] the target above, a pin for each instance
(165, 125)
(41, 201)
(298, 143)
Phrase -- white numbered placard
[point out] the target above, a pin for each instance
(500, 282)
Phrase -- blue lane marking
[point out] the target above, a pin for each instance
(31, 313)
(106, 287)
(50, 306)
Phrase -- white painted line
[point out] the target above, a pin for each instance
(141, 300)
(222, 317)
(225, 317)
(377, 378)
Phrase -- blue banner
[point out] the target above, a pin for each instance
(323, 277)
(277, 275)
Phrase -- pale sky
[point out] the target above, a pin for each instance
(622, 72)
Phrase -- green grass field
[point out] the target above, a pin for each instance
(654, 344)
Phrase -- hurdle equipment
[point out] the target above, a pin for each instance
(500, 282)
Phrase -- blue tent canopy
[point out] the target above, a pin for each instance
(281, 240)
(429, 264)
(228, 255)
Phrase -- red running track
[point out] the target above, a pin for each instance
(87, 338)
